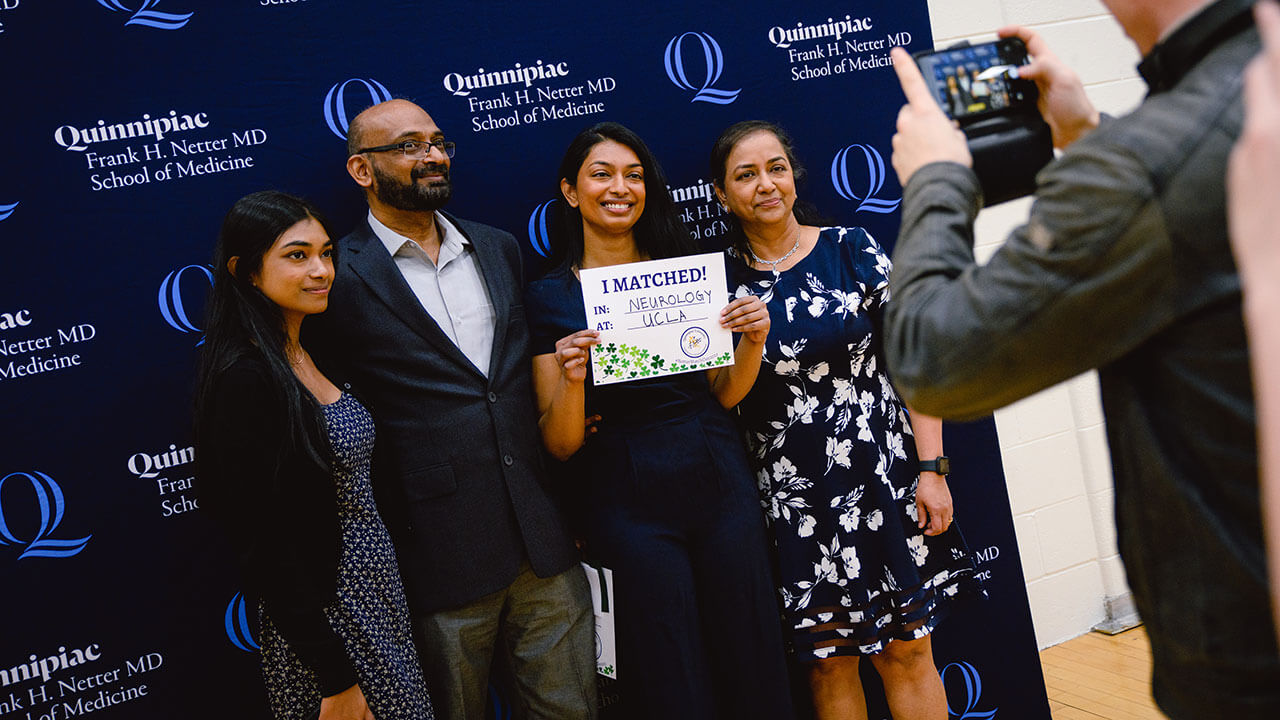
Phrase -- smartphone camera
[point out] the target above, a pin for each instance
(982, 89)
(980, 81)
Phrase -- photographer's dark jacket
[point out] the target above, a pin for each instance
(1124, 266)
(281, 516)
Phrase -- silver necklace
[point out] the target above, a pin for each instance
(773, 264)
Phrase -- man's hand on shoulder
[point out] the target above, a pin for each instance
(925, 133)
(1063, 102)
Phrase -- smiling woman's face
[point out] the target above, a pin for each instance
(759, 186)
(609, 190)
(297, 271)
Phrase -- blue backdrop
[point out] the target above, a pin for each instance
(132, 125)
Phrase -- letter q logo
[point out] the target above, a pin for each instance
(973, 693)
(869, 175)
(539, 237)
(50, 505)
(147, 17)
(236, 621)
(713, 60)
(172, 308)
(335, 103)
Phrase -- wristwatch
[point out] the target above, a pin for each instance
(940, 465)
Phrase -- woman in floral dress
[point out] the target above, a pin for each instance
(862, 527)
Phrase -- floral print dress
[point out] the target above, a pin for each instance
(370, 613)
(836, 460)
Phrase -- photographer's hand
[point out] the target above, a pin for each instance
(1063, 102)
(925, 134)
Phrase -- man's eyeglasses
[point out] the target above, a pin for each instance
(413, 148)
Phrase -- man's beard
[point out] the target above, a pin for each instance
(415, 195)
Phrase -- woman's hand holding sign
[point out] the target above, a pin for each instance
(572, 354)
(749, 316)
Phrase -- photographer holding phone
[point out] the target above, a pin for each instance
(1123, 266)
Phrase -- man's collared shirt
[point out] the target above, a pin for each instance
(451, 290)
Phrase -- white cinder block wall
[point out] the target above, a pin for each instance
(1053, 443)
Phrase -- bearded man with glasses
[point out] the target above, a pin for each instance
(426, 316)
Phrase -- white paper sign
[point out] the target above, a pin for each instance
(601, 581)
(658, 317)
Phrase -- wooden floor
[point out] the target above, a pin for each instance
(1101, 676)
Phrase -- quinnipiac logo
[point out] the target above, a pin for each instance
(172, 308)
(147, 17)
(7, 210)
(973, 693)
(50, 505)
(713, 60)
(860, 186)
(539, 236)
(335, 103)
(236, 621)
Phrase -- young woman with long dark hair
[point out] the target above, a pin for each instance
(666, 497)
(284, 466)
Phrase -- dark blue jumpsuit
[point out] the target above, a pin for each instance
(664, 496)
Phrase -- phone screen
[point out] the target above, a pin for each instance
(978, 80)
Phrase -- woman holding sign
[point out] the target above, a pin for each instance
(855, 491)
(666, 496)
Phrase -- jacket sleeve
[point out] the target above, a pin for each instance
(252, 503)
(1086, 280)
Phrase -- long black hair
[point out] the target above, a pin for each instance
(805, 212)
(241, 321)
(658, 233)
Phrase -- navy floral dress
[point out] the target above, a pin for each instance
(836, 461)
(370, 613)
